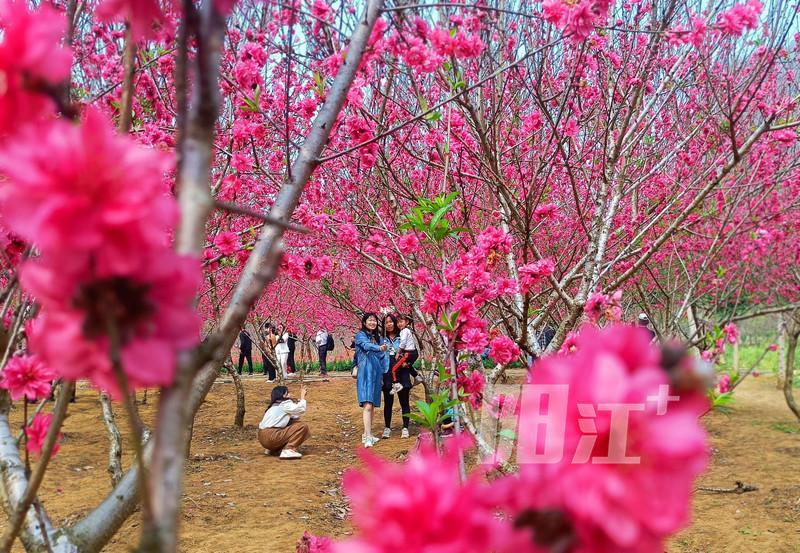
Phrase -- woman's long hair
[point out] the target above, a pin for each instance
(374, 334)
(396, 330)
(278, 395)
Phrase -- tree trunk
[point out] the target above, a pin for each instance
(237, 382)
(114, 440)
(791, 349)
(781, 331)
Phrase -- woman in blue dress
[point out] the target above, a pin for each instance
(372, 363)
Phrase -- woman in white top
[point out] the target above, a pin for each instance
(282, 352)
(280, 429)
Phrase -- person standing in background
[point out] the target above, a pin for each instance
(321, 339)
(291, 341)
(245, 352)
(282, 352)
(372, 362)
(272, 340)
(644, 322)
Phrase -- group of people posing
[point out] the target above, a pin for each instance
(385, 352)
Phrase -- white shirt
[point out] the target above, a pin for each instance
(282, 348)
(407, 341)
(279, 414)
(321, 339)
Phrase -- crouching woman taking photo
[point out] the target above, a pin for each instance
(280, 429)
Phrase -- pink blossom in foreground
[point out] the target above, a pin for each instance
(36, 433)
(436, 296)
(75, 188)
(598, 507)
(503, 350)
(97, 207)
(317, 267)
(31, 56)
(26, 375)
(142, 14)
(150, 308)
(420, 505)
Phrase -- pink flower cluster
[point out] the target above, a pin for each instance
(227, 243)
(576, 18)
(472, 385)
(724, 383)
(734, 21)
(360, 130)
(306, 266)
(532, 274)
(731, 333)
(626, 508)
(503, 350)
(28, 376)
(36, 433)
(310, 543)
(99, 210)
(31, 60)
(601, 305)
(435, 513)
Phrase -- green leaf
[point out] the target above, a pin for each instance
(723, 399)
(441, 212)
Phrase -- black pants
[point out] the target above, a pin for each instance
(245, 354)
(403, 395)
(323, 358)
(290, 362)
(269, 368)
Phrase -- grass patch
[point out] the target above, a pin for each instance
(786, 427)
(307, 367)
(748, 355)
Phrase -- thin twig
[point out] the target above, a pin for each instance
(242, 210)
(740, 488)
(36, 480)
(114, 351)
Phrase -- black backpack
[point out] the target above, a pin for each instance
(329, 345)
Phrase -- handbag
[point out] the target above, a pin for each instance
(354, 371)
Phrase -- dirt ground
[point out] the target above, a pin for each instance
(238, 499)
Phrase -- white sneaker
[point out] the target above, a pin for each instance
(369, 441)
(396, 387)
(404, 433)
(290, 454)
(387, 432)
